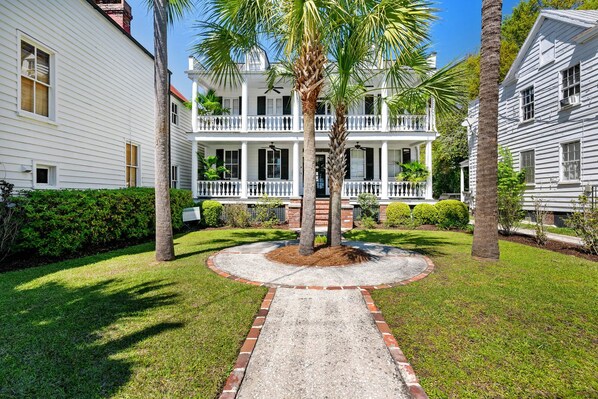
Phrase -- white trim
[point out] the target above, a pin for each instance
(139, 180)
(521, 163)
(561, 177)
(53, 175)
(561, 88)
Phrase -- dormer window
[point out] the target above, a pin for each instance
(256, 60)
(571, 86)
(546, 50)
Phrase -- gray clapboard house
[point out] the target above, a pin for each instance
(548, 112)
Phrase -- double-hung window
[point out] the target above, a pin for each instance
(528, 164)
(570, 86)
(571, 161)
(132, 165)
(174, 176)
(527, 104)
(231, 163)
(273, 164)
(394, 161)
(36, 80)
(174, 113)
(357, 164)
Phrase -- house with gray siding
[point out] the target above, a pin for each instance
(548, 112)
(77, 99)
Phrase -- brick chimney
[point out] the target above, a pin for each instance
(119, 11)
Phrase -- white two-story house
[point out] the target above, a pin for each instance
(260, 141)
(77, 99)
(548, 111)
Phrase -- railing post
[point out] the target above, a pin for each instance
(384, 111)
(296, 112)
(244, 169)
(384, 170)
(244, 105)
(429, 167)
(194, 167)
(194, 116)
(296, 158)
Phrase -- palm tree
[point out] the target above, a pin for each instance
(485, 237)
(165, 11)
(298, 29)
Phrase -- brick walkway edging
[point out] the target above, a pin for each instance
(429, 269)
(233, 382)
(407, 372)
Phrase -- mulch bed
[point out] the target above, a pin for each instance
(323, 256)
(556, 246)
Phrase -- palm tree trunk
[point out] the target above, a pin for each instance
(164, 236)
(485, 237)
(336, 175)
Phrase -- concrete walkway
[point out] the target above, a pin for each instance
(327, 339)
(552, 236)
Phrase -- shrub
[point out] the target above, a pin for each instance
(265, 210)
(452, 214)
(368, 222)
(211, 211)
(10, 219)
(61, 222)
(236, 215)
(398, 214)
(320, 240)
(540, 213)
(511, 185)
(425, 214)
(584, 220)
(369, 205)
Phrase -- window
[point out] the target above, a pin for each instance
(528, 164)
(394, 160)
(231, 163)
(36, 86)
(571, 161)
(132, 165)
(546, 50)
(357, 164)
(174, 176)
(570, 86)
(174, 113)
(45, 176)
(232, 105)
(274, 106)
(527, 104)
(273, 164)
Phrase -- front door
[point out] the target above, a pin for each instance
(320, 175)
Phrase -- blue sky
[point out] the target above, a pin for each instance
(455, 34)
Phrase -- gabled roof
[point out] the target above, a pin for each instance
(583, 18)
(177, 94)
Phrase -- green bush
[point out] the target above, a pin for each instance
(425, 214)
(211, 211)
(368, 222)
(452, 214)
(236, 215)
(61, 222)
(398, 214)
(369, 205)
(265, 210)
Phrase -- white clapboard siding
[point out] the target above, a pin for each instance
(552, 126)
(180, 146)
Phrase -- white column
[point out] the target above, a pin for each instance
(462, 185)
(384, 110)
(194, 167)
(433, 115)
(244, 105)
(244, 169)
(296, 113)
(296, 175)
(194, 116)
(429, 167)
(384, 169)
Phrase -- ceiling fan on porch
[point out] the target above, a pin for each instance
(358, 146)
(273, 88)
(272, 147)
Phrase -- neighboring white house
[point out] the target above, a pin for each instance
(261, 141)
(77, 99)
(548, 111)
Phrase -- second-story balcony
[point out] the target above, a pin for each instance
(282, 123)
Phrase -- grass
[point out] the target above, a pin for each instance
(119, 324)
(566, 231)
(524, 327)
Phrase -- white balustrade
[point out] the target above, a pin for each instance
(219, 123)
(352, 188)
(270, 123)
(272, 188)
(409, 123)
(404, 189)
(219, 188)
(363, 122)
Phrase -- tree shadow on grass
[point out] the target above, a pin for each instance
(424, 244)
(58, 340)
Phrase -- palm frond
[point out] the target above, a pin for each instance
(176, 8)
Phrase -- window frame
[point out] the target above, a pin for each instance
(52, 77)
(137, 167)
(228, 176)
(524, 167)
(562, 87)
(522, 105)
(268, 151)
(174, 113)
(174, 176)
(392, 163)
(352, 169)
(562, 168)
(52, 175)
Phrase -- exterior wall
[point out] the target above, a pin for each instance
(552, 125)
(180, 146)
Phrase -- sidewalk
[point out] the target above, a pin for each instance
(552, 236)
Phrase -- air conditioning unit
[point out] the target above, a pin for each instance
(571, 100)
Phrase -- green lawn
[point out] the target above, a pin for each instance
(119, 324)
(566, 231)
(525, 327)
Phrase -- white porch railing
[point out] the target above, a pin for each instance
(364, 122)
(269, 123)
(219, 188)
(404, 189)
(352, 189)
(219, 123)
(272, 188)
(409, 123)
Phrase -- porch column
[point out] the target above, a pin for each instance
(194, 116)
(296, 113)
(462, 180)
(384, 109)
(296, 178)
(194, 167)
(429, 167)
(244, 106)
(244, 169)
(384, 170)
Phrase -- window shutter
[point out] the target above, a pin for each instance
(261, 161)
(380, 162)
(369, 105)
(240, 105)
(369, 164)
(261, 105)
(220, 156)
(406, 155)
(284, 163)
(239, 163)
(286, 105)
(347, 164)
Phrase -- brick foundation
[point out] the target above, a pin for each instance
(294, 213)
(294, 208)
(382, 215)
(346, 215)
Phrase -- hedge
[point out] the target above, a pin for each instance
(62, 222)
(211, 212)
(452, 214)
(425, 214)
(398, 214)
